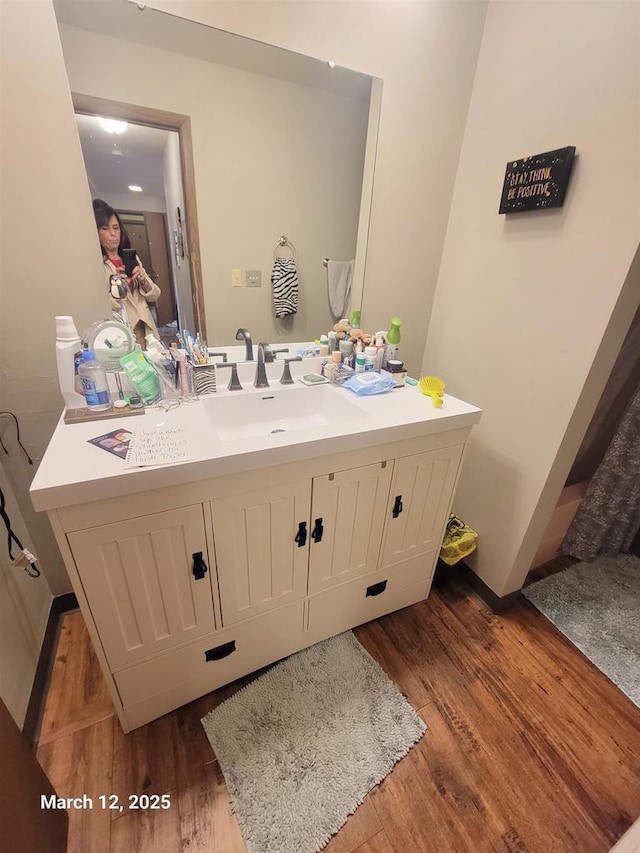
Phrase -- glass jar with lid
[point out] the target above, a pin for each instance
(395, 368)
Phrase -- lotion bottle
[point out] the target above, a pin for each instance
(393, 340)
(68, 356)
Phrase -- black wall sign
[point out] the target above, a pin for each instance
(537, 182)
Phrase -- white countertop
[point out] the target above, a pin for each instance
(74, 471)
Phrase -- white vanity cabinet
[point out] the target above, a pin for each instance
(148, 581)
(191, 586)
(411, 529)
(278, 544)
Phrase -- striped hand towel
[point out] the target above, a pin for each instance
(284, 279)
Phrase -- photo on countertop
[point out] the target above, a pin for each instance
(116, 442)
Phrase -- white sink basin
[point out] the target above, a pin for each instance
(278, 410)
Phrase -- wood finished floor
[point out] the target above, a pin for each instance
(529, 749)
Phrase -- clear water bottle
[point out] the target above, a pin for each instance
(94, 383)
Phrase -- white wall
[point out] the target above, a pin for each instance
(270, 157)
(24, 609)
(48, 249)
(523, 322)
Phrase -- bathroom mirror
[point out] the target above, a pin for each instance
(282, 144)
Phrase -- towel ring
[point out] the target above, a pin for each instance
(285, 243)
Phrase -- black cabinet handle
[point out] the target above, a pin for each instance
(397, 506)
(301, 536)
(220, 652)
(376, 588)
(316, 534)
(199, 566)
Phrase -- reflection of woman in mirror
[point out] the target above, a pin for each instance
(138, 290)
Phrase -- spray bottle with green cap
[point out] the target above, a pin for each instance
(393, 340)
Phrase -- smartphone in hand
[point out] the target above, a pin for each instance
(130, 261)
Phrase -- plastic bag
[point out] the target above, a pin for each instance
(142, 375)
(459, 541)
(369, 382)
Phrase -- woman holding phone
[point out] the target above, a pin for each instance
(131, 291)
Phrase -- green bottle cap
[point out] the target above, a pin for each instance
(393, 335)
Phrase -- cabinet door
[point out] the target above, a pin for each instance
(347, 520)
(148, 589)
(419, 503)
(262, 549)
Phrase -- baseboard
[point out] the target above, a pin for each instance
(64, 603)
(60, 605)
(630, 841)
(497, 603)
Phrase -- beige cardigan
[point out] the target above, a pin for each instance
(135, 303)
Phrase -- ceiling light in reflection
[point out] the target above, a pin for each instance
(135, 189)
(112, 125)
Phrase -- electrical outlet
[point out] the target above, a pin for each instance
(236, 278)
(254, 278)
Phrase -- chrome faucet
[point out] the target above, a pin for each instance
(244, 335)
(264, 355)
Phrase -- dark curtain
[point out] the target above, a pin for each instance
(621, 386)
(608, 519)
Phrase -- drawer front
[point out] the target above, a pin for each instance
(367, 598)
(157, 686)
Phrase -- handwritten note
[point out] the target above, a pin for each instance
(160, 445)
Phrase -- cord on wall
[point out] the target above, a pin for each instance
(11, 414)
(25, 559)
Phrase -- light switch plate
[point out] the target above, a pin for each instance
(254, 278)
(236, 278)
